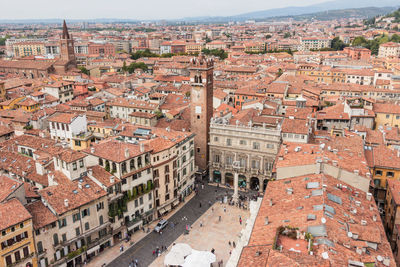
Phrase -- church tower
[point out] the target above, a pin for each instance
(201, 107)
(67, 46)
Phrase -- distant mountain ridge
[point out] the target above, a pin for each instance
(357, 8)
(303, 10)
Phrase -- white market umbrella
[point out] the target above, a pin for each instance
(199, 259)
(183, 248)
(174, 258)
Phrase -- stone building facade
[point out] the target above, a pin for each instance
(255, 148)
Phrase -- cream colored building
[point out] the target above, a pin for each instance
(25, 49)
(389, 50)
(254, 147)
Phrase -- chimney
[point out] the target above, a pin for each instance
(112, 179)
(92, 150)
(356, 172)
(80, 185)
(168, 129)
(66, 202)
(369, 196)
(141, 145)
(271, 203)
(90, 172)
(374, 218)
(126, 153)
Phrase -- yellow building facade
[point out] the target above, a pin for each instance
(17, 246)
(25, 49)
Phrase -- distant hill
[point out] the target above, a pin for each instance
(365, 12)
(355, 8)
(331, 5)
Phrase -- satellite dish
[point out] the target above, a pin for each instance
(323, 220)
(350, 234)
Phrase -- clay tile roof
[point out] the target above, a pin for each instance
(41, 215)
(63, 117)
(69, 155)
(7, 186)
(15, 213)
(295, 126)
(69, 190)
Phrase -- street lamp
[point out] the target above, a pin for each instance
(235, 166)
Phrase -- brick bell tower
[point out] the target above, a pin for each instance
(67, 46)
(201, 107)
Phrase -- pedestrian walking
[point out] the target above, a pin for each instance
(240, 220)
(219, 219)
(234, 245)
(154, 252)
(202, 186)
(121, 248)
(209, 203)
(224, 209)
(200, 204)
(229, 242)
(212, 209)
(136, 262)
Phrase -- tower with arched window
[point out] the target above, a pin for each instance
(201, 106)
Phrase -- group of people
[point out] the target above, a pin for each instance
(157, 252)
(134, 263)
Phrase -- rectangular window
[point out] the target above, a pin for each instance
(85, 212)
(378, 173)
(76, 217)
(86, 226)
(81, 163)
(62, 223)
(74, 166)
(256, 145)
(77, 231)
(228, 142)
(389, 174)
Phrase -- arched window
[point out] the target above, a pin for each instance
(196, 79)
(200, 79)
(55, 239)
(132, 164)
(114, 167)
(123, 167)
(139, 162)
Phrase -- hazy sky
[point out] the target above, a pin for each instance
(135, 9)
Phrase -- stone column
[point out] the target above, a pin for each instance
(235, 196)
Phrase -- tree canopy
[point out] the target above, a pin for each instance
(216, 52)
(337, 44)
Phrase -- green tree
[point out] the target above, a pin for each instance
(279, 73)
(287, 35)
(337, 44)
(144, 53)
(359, 41)
(84, 70)
(268, 36)
(136, 65)
(395, 38)
(124, 67)
(216, 52)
